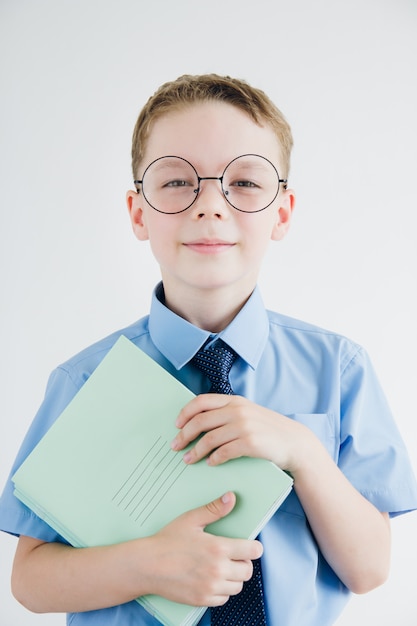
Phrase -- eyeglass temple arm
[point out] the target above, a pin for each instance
(280, 180)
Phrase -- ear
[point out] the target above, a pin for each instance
(286, 205)
(134, 206)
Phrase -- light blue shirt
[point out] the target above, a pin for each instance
(316, 377)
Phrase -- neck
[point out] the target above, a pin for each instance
(210, 310)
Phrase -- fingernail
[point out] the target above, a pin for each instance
(226, 498)
(174, 444)
(187, 457)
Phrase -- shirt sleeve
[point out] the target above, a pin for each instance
(372, 453)
(15, 517)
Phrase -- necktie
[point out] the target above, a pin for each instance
(246, 608)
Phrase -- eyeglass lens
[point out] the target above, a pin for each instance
(250, 183)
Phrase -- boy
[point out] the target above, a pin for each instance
(210, 162)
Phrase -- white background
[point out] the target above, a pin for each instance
(74, 75)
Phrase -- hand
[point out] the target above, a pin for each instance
(181, 562)
(194, 567)
(232, 426)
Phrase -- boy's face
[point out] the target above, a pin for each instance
(211, 245)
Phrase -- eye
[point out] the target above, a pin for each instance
(178, 183)
(244, 183)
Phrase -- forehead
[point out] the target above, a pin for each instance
(210, 134)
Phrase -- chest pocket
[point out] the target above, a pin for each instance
(323, 425)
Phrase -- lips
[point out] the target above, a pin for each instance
(209, 246)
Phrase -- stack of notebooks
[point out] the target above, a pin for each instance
(105, 472)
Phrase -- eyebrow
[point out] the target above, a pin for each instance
(254, 164)
(169, 162)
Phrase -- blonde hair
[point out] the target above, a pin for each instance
(188, 89)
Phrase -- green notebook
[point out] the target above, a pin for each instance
(105, 473)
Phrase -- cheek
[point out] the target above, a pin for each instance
(258, 232)
(161, 236)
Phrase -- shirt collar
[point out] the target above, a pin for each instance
(178, 340)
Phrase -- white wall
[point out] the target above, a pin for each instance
(74, 74)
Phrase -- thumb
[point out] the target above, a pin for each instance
(213, 511)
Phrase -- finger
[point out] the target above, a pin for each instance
(245, 549)
(228, 588)
(202, 423)
(213, 511)
(241, 571)
(200, 404)
(221, 599)
(212, 441)
(230, 450)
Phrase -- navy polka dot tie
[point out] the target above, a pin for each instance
(246, 608)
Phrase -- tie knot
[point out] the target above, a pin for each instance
(215, 362)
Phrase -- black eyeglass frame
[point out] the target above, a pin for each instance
(200, 178)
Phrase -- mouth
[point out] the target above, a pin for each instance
(209, 246)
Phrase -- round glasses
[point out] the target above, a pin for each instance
(171, 184)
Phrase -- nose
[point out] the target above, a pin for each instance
(211, 201)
